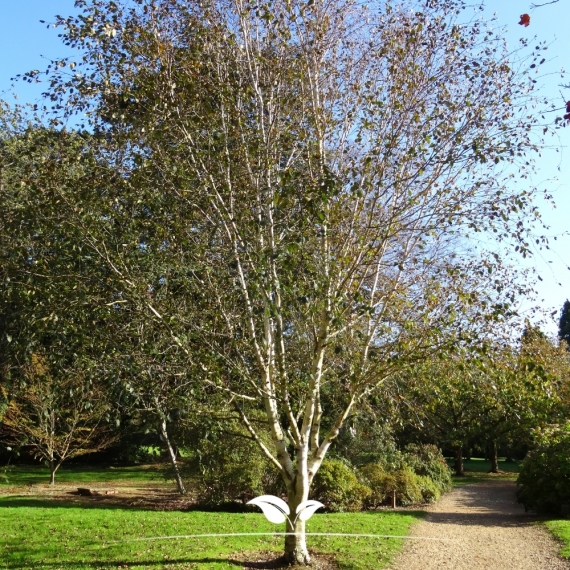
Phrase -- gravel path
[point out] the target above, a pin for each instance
(486, 529)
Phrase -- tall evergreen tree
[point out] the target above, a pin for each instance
(564, 323)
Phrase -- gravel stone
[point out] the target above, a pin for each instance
(483, 528)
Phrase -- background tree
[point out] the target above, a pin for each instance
(57, 418)
(57, 296)
(444, 397)
(564, 323)
(522, 389)
(492, 393)
(52, 290)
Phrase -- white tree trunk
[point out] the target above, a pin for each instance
(172, 455)
(296, 544)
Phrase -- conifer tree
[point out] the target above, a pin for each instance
(564, 323)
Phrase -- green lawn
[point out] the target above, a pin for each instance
(38, 533)
(477, 470)
(31, 474)
(561, 530)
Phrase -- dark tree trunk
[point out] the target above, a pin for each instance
(494, 458)
(459, 462)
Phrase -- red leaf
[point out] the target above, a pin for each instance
(525, 20)
(568, 107)
(567, 117)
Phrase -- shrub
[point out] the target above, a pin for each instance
(367, 441)
(409, 487)
(381, 484)
(408, 491)
(429, 489)
(227, 468)
(543, 483)
(427, 461)
(338, 488)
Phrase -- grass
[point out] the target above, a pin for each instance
(477, 470)
(561, 530)
(31, 474)
(38, 533)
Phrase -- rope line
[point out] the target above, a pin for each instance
(185, 536)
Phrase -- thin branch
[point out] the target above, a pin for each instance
(533, 6)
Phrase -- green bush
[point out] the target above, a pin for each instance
(380, 482)
(427, 461)
(367, 441)
(543, 483)
(226, 469)
(408, 491)
(338, 488)
(429, 489)
(409, 487)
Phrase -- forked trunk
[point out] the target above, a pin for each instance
(296, 544)
(172, 456)
(459, 462)
(53, 467)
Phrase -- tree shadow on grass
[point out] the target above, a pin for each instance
(127, 563)
(21, 501)
(117, 503)
(270, 560)
(141, 500)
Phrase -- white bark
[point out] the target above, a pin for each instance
(172, 457)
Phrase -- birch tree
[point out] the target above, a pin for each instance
(324, 165)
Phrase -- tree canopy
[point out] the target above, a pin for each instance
(280, 195)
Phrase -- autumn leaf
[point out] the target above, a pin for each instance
(568, 107)
(525, 20)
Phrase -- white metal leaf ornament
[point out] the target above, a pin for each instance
(306, 509)
(274, 508)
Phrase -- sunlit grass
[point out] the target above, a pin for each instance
(31, 474)
(561, 530)
(38, 533)
(477, 470)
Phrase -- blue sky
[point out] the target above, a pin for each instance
(24, 40)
